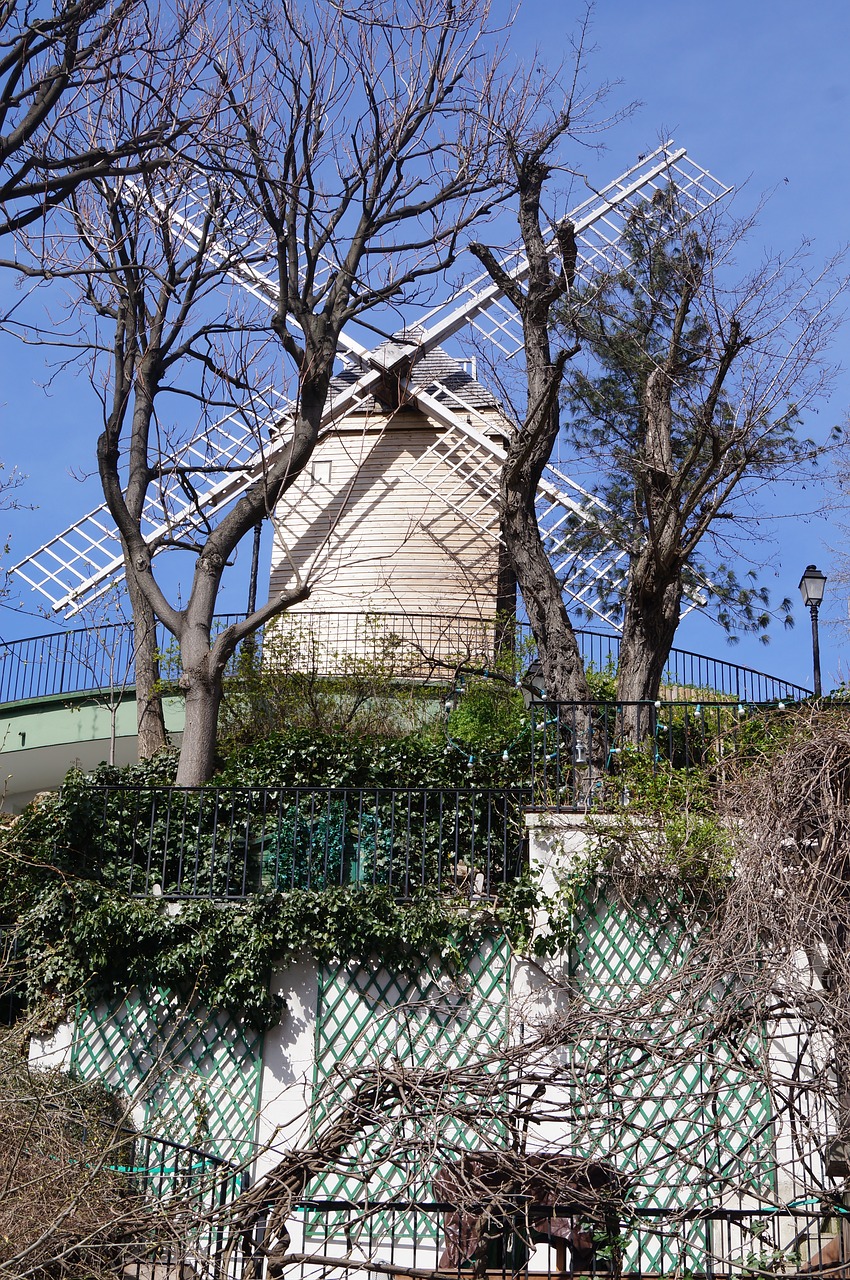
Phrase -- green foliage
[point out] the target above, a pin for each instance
(347, 673)
(602, 683)
(307, 758)
(663, 819)
(66, 865)
(320, 865)
(81, 937)
(668, 312)
(489, 715)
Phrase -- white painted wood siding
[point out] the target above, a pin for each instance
(373, 539)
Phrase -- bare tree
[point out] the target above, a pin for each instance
(60, 64)
(530, 445)
(10, 481)
(162, 329)
(87, 92)
(350, 151)
(689, 405)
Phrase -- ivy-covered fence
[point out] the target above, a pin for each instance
(230, 842)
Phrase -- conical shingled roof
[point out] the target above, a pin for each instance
(436, 372)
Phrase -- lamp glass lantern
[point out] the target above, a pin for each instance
(812, 586)
(534, 686)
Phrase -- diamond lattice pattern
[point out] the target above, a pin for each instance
(687, 1119)
(432, 1015)
(192, 1074)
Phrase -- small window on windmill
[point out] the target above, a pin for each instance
(321, 471)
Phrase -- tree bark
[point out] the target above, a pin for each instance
(150, 718)
(654, 590)
(201, 682)
(649, 626)
(557, 647)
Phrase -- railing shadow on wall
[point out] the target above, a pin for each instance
(423, 646)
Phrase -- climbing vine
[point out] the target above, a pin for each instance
(82, 939)
(77, 934)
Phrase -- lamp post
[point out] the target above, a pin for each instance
(812, 586)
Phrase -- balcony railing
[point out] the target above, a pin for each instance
(230, 843)
(331, 1238)
(234, 842)
(97, 659)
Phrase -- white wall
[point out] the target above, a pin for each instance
(287, 1079)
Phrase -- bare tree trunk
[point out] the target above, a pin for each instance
(201, 682)
(557, 647)
(649, 627)
(197, 754)
(150, 718)
(654, 591)
(530, 447)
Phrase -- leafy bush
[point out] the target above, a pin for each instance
(489, 716)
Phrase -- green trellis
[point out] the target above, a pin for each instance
(689, 1121)
(429, 1015)
(193, 1072)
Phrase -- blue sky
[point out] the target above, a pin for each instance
(758, 92)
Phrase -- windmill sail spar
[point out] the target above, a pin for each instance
(80, 564)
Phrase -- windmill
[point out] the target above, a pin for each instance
(458, 467)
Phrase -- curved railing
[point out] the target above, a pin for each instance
(422, 645)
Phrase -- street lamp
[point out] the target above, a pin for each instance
(534, 686)
(812, 586)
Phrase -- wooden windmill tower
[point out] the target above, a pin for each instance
(404, 481)
(399, 528)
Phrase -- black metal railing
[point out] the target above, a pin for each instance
(188, 1193)
(84, 659)
(533, 1241)
(583, 754)
(95, 659)
(162, 1168)
(226, 843)
(234, 842)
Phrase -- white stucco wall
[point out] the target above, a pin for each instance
(288, 1057)
(53, 1052)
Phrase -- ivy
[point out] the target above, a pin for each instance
(77, 933)
(78, 937)
(306, 758)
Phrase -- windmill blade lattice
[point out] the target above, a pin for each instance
(82, 562)
(216, 467)
(599, 223)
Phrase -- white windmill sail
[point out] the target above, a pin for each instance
(84, 560)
